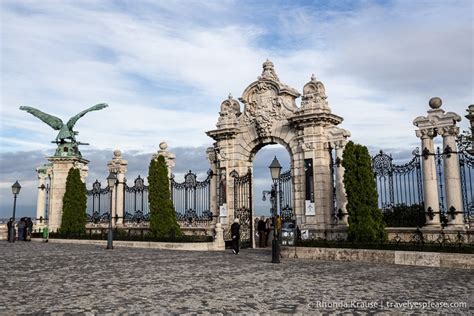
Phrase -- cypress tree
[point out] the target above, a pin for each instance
(162, 215)
(365, 219)
(74, 218)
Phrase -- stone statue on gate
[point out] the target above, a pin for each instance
(66, 140)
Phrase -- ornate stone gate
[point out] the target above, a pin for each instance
(309, 133)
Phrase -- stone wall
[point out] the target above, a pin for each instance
(414, 258)
(197, 246)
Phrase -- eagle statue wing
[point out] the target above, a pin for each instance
(53, 121)
(72, 121)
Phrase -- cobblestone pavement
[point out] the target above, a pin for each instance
(57, 278)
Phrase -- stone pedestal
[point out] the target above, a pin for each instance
(219, 237)
(59, 171)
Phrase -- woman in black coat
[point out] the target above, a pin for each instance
(235, 232)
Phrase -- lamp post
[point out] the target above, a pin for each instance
(111, 179)
(16, 187)
(275, 171)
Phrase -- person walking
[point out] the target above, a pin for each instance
(29, 228)
(261, 232)
(11, 227)
(268, 228)
(278, 227)
(21, 229)
(45, 234)
(235, 232)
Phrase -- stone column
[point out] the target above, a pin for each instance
(119, 166)
(439, 121)
(430, 181)
(60, 169)
(341, 198)
(219, 237)
(43, 172)
(452, 177)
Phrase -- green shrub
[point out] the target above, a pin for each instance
(365, 219)
(402, 215)
(162, 215)
(74, 218)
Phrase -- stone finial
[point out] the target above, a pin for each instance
(230, 96)
(117, 163)
(169, 157)
(163, 146)
(437, 119)
(230, 111)
(314, 96)
(435, 103)
(268, 71)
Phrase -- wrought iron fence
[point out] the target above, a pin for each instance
(466, 163)
(398, 184)
(401, 186)
(98, 203)
(400, 190)
(192, 199)
(135, 202)
(439, 159)
(286, 196)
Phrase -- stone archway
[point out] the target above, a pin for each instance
(309, 133)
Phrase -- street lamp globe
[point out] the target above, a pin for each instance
(16, 187)
(275, 169)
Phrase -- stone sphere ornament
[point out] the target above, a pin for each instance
(435, 103)
(163, 145)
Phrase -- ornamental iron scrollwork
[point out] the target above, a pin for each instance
(192, 200)
(398, 184)
(136, 205)
(98, 203)
(287, 213)
(286, 196)
(466, 165)
(242, 207)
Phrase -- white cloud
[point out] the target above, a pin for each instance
(165, 67)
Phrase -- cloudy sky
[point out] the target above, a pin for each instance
(165, 66)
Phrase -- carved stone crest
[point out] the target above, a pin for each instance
(266, 101)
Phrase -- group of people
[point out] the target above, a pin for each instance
(24, 226)
(265, 230)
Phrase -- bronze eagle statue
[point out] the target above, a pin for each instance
(65, 130)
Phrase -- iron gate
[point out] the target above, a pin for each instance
(243, 207)
(286, 196)
(192, 199)
(398, 184)
(135, 202)
(466, 164)
(98, 203)
(400, 190)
